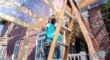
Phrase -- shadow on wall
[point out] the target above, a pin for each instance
(19, 32)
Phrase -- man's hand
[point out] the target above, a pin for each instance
(44, 27)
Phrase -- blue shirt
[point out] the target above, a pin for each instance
(50, 31)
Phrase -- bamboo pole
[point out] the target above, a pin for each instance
(38, 24)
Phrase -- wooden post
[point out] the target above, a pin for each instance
(25, 47)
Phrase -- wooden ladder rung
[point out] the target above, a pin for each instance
(65, 28)
(62, 44)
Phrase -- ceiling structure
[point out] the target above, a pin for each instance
(22, 11)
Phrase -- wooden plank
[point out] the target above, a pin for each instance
(38, 24)
(54, 42)
(12, 19)
(85, 32)
(25, 46)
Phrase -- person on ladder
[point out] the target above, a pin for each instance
(50, 31)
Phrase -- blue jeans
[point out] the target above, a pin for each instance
(57, 54)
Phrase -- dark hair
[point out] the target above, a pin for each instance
(4, 22)
(53, 21)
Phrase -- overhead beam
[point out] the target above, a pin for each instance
(45, 20)
(38, 24)
(12, 20)
(85, 3)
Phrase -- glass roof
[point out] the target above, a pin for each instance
(36, 6)
(99, 2)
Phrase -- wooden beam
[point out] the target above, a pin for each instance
(52, 6)
(85, 32)
(25, 46)
(94, 41)
(12, 19)
(38, 24)
(85, 3)
(54, 42)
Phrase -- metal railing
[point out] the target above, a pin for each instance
(2, 52)
(78, 56)
(16, 50)
(39, 52)
(40, 44)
